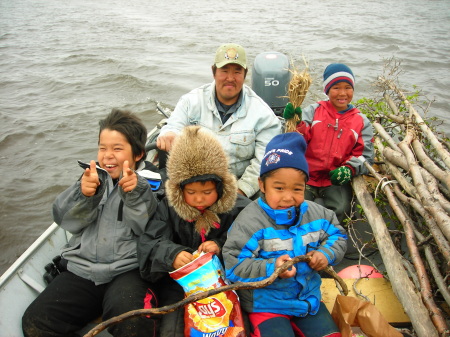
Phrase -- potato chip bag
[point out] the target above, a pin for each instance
(215, 316)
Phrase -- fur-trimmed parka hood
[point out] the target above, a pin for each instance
(196, 152)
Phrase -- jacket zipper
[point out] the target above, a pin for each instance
(335, 127)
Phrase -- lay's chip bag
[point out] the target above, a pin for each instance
(217, 315)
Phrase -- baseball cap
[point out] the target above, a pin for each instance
(230, 53)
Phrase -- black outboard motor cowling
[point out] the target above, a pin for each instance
(270, 79)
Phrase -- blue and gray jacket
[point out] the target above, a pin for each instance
(255, 241)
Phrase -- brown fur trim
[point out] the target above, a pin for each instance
(197, 152)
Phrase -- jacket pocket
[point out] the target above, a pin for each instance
(243, 145)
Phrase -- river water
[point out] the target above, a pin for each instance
(65, 64)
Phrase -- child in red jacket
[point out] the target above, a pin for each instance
(339, 138)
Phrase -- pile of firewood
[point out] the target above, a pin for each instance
(412, 179)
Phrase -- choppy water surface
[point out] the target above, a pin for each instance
(65, 64)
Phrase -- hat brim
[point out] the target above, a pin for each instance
(224, 63)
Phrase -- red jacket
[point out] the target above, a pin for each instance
(335, 139)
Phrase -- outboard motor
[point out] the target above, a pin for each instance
(270, 79)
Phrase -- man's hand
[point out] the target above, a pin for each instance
(318, 260)
(90, 180)
(129, 178)
(165, 141)
(182, 259)
(288, 273)
(209, 246)
(240, 192)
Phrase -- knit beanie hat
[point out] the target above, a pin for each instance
(197, 155)
(285, 150)
(335, 73)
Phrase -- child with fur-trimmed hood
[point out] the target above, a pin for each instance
(200, 205)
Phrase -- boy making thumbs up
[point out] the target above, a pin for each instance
(105, 211)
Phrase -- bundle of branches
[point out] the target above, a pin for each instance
(297, 90)
(413, 178)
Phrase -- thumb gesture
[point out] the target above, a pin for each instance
(90, 180)
(126, 171)
(129, 178)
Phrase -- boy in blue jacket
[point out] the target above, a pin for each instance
(273, 229)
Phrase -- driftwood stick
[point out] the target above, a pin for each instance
(434, 268)
(424, 283)
(411, 272)
(389, 155)
(442, 243)
(397, 119)
(199, 296)
(442, 152)
(434, 208)
(425, 287)
(391, 104)
(398, 159)
(383, 134)
(441, 175)
(433, 186)
(401, 284)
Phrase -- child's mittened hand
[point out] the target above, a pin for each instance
(288, 273)
(129, 178)
(90, 180)
(318, 260)
(341, 176)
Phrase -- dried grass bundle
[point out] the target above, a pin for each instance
(297, 90)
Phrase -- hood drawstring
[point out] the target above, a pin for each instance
(202, 230)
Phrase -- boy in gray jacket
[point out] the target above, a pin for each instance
(105, 211)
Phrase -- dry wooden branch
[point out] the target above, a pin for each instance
(199, 296)
(441, 151)
(425, 287)
(442, 243)
(443, 176)
(390, 156)
(401, 284)
(391, 104)
(383, 134)
(398, 159)
(408, 151)
(434, 268)
(442, 219)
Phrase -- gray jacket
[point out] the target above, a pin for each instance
(104, 227)
(244, 135)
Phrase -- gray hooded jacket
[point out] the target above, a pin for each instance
(104, 227)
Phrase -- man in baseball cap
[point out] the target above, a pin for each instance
(240, 119)
(230, 53)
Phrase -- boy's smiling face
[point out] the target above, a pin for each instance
(284, 188)
(340, 95)
(200, 195)
(113, 150)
